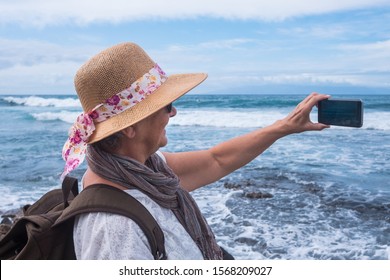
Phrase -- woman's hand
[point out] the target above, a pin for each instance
(299, 119)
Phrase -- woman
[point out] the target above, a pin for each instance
(127, 101)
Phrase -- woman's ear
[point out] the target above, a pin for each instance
(129, 132)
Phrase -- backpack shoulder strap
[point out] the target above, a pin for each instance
(105, 198)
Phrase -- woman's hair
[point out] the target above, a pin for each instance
(111, 143)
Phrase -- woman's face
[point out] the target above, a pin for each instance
(151, 131)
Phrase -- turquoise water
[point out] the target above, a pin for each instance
(328, 193)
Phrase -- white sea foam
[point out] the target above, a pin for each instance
(217, 117)
(272, 234)
(11, 199)
(243, 118)
(377, 120)
(226, 118)
(35, 101)
(65, 116)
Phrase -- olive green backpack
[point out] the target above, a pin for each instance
(45, 231)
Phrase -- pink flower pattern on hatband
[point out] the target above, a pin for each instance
(75, 147)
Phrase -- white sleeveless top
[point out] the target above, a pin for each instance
(110, 236)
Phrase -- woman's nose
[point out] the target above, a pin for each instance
(173, 112)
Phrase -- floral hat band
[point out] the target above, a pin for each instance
(75, 147)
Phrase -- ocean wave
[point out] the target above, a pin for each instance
(237, 101)
(226, 118)
(260, 118)
(14, 199)
(229, 118)
(376, 120)
(300, 222)
(214, 118)
(65, 116)
(36, 101)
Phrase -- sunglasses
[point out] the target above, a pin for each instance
(169, 108)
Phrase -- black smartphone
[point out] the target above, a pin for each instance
(341, 112)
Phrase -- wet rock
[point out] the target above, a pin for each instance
(257, 195)
(246, 223)
(231, 186)
(11, 216)
(4, 228)
(313, 188)
(246, 240)
(247, 186)
(8, 219)
(236, 186)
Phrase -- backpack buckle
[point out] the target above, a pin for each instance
(161, 255)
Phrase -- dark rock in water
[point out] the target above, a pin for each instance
(232, 186)
(12, 215)
(258, 195)
(8, 219)
(247, 186)
(4, 228)
(236, 186)
(312, 188)
(246, 240)
(247, 223)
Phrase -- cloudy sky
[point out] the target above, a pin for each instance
(246, 46)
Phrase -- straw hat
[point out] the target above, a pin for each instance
(116, 69)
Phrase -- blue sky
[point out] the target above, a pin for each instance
(246, 46)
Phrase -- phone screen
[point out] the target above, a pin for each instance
(341, 112)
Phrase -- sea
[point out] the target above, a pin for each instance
(310, 196)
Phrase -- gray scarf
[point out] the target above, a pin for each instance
(157, 180)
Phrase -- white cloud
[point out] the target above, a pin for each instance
(314, 78)
(33, 66)
(48, 12)
(286, 54)
(329, 31)
(250, 64)
(44, 78)
(33, 52)
(214, 45)
(371, 57)
(379, 46)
